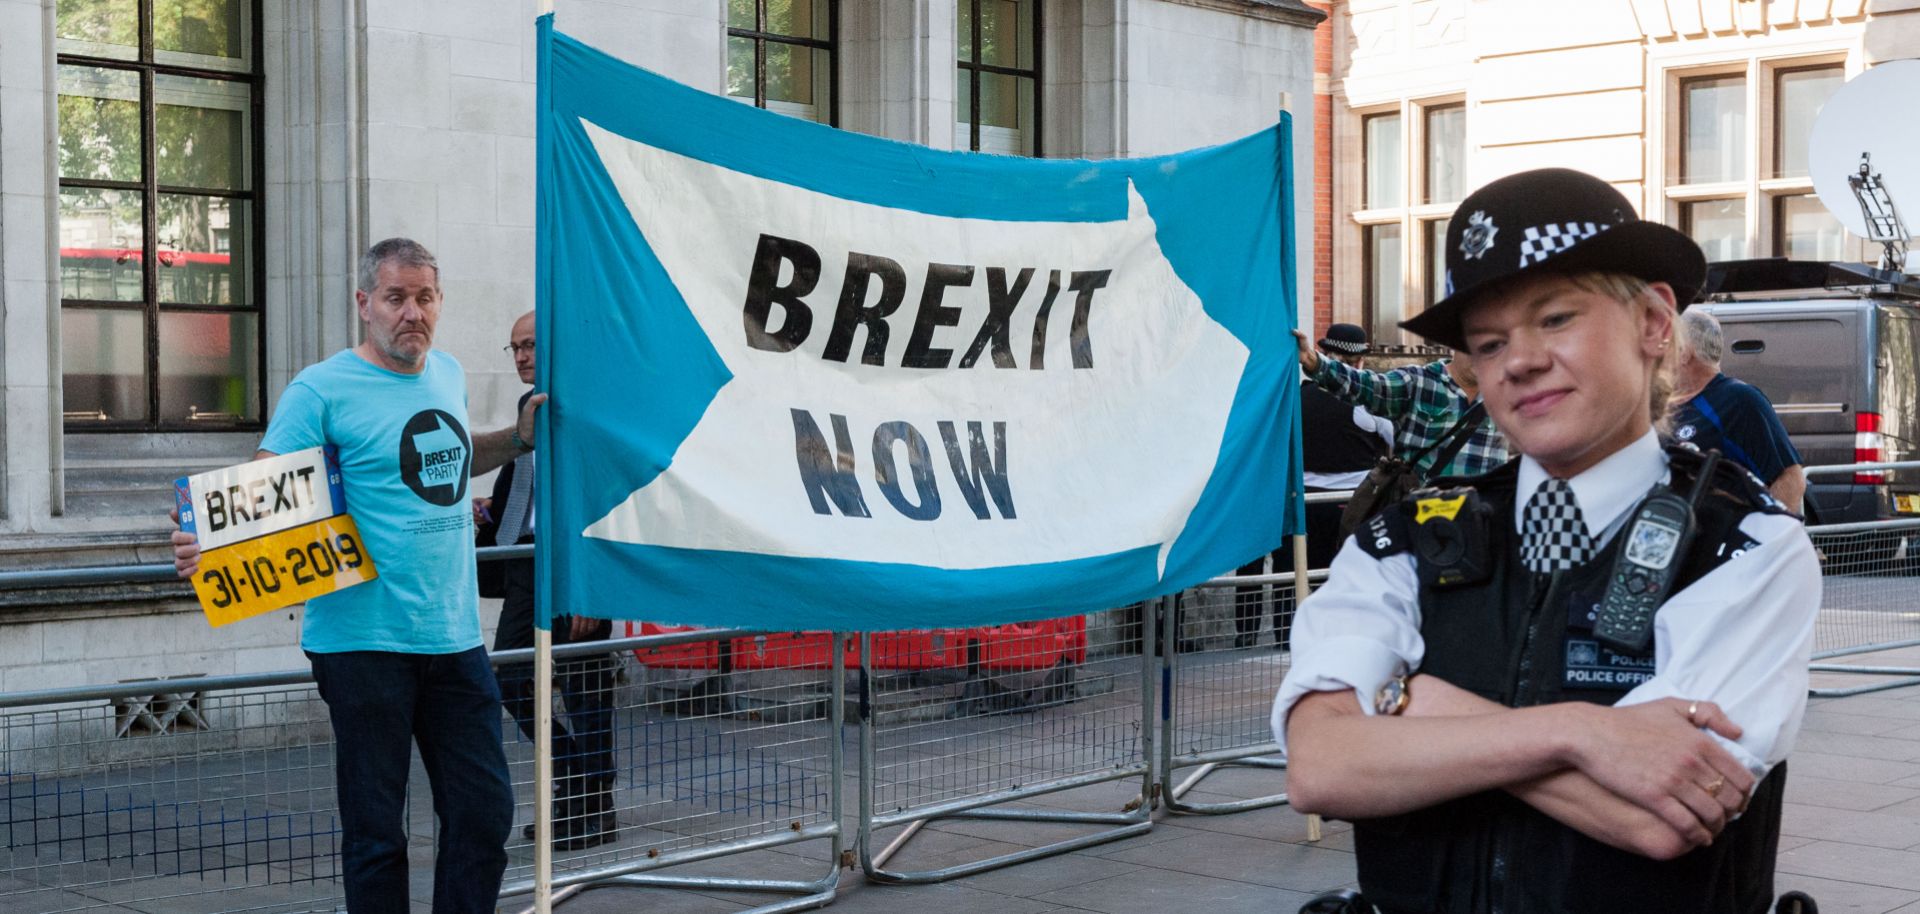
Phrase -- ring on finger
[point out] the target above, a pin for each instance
(1713, 789)
(1692, 708)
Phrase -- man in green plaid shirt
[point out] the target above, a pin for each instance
(1423, 402)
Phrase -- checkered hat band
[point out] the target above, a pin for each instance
(1539, 242)
(1553, 534)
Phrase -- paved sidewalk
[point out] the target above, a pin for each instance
(1851, 838)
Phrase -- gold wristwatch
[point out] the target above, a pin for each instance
(1391, 697)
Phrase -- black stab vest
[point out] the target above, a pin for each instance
(1508, 640)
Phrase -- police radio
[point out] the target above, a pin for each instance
(1648, 563)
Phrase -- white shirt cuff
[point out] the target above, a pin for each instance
(1334, 665)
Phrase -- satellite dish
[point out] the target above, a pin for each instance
(1872, 116)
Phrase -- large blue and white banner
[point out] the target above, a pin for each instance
(808, 379)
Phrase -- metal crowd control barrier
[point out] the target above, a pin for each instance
(1217, 688)
(1866, 603)
(216, 794)
(956, 723)
(210, 794)
(703, 760)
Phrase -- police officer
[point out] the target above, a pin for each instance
(1548, 688)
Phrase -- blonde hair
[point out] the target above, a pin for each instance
(1632, 290)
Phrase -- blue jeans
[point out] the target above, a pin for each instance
(381, 704)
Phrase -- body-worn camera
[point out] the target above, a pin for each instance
(1450, 534)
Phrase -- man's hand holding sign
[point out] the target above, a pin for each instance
(268, 534)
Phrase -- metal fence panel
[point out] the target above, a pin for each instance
(216, 795)
(1231, 637)
(1868, 600)
(207, 800)
(957, 723)
(717, 748)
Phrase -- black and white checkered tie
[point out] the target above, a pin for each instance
(1553, 535)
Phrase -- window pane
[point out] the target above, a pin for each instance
(1800, 95)
(103, 363)
(100, 242)
(1006, 33)
(822, 85)
(963, 113)
(1006, 114)
(1715, 145)
(1384, 187)
(202, 251)
(201, 33)
(1383, 293)
(1446, 153)
(963, 27)
(799, 18)
(98, 28)
(201, 132)
(99, 112)
(1436, 260)
(1720, 226)
(740, 15)
(789, 74)
(797, 81)
(209, 367)
(1807, 231)
(740, 73)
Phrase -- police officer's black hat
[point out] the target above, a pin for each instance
(1349, 339)
(1552, 220)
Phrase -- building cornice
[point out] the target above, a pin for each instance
(1288, 12)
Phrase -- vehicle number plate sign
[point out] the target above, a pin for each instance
(1907, 504)
(272, 533)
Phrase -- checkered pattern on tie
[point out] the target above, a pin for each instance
(1553, 534)
(1539, 242)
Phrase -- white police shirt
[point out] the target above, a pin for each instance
(1740, 637)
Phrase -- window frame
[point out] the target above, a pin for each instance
(1413, 215)
(1761, 190)
(760, 35)
(147, 70)
(973, 69)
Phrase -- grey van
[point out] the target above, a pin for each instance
(1836, 347)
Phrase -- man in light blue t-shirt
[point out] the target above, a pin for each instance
(399, 659)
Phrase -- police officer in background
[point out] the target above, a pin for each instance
(1340, 442)
(1548, 688)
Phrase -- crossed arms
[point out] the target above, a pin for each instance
(1658, 773)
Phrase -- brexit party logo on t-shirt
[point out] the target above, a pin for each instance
(435, 454)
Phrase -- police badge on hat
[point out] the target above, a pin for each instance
(1478, 236)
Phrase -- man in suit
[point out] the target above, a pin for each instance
(583, 766)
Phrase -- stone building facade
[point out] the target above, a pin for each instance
(182, 200)
(1698, 110)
